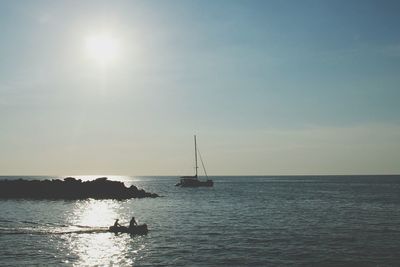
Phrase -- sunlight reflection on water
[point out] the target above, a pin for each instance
(101, 249)
(95, 212)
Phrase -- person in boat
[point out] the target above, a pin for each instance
(116, 224)
(132, 223)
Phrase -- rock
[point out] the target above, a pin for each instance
(70, 188)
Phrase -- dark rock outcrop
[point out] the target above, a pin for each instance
(70, 188)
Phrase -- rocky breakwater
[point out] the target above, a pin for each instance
(70, 188)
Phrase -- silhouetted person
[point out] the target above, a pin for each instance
(132, 223)
(116, 224)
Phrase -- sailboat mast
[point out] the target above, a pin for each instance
(195, 154)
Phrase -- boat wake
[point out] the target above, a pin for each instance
(52, 230)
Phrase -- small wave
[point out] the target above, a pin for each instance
(87, 231)
(16, 231)
(36, 231)
(82, 226)
(5, 220)
(29, 222)
(32, 223)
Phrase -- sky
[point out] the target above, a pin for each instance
(269, 87)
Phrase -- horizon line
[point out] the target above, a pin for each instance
(220, 175)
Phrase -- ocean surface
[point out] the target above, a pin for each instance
(241, 221)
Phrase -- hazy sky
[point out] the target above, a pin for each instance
(269, 87)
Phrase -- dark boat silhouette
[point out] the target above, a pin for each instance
(193, 181)
(135, 230)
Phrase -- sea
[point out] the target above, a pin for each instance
(241, 221)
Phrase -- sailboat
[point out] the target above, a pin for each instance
(193, 181)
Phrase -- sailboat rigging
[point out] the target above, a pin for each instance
(193, 181)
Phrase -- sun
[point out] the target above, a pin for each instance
(103, 48)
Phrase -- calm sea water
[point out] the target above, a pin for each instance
(241, 221)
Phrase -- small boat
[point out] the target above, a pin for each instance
(136, 230)
(193, 181)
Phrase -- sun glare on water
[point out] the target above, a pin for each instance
(102, 48)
